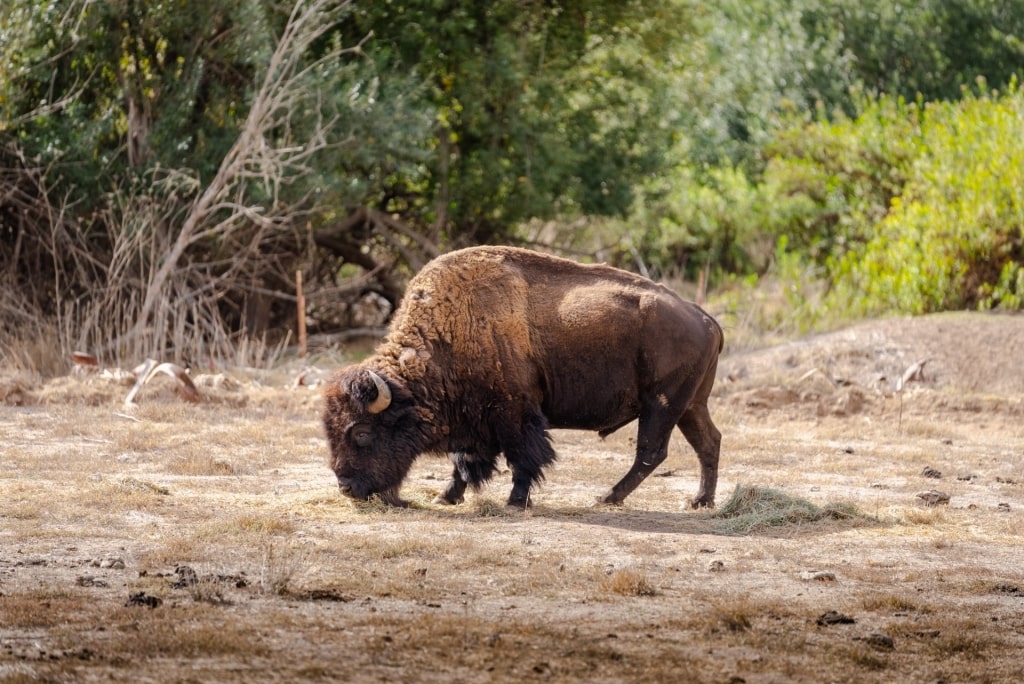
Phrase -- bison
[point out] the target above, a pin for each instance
(492, 346)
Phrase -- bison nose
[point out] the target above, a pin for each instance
(345, 485)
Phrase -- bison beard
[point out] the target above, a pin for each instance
(493, 345)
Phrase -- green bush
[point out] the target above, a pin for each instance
(953, 238)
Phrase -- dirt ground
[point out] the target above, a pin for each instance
(207, 542)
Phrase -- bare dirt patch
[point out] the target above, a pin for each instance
(208, 542)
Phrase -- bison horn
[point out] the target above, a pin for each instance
(383, 399)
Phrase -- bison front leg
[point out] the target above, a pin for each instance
(454, 493)
(470, 468)
(527, 452)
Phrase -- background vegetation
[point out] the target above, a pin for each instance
(166, 168)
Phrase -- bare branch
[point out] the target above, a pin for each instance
(280, 97)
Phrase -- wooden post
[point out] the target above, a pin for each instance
(702, 286)
(301, 305)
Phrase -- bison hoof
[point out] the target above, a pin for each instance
(702, 503)
(441, 500)
(609, 499)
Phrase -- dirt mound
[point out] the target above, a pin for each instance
(955, 357)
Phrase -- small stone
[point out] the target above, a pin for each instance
(112, 563)
(933, 497)
(1003, 507)
(932, 473)
(716, 566)
(817, 576)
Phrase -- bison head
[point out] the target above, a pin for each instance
(373, 431)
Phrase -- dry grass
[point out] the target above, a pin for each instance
(757, 509)
(294, 582)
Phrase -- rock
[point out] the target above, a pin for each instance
(112, 563)
(933, 497)
(187, 577)
(143, 599)
(1003, 507)
(834, 618)
(817, 576)
(716, 566)
(932, 473)
(90, 581)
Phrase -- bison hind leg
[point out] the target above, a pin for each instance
(699, 430)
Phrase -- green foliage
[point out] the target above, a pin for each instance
(796, 139)
(539, 109)
(954, 238)
(931, 48)
(684, 223)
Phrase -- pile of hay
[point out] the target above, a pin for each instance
(754, 509)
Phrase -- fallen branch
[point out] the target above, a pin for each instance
(185, 388)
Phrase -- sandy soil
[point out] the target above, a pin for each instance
(180, 542)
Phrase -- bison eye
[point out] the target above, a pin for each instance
(362, 436)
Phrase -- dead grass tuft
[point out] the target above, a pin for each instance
(893, 603)
(735, 615)
(753, 509)
(628, 583)
(200, 463)
(934, 515)
(262, 524)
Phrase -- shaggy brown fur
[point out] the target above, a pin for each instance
(493, 345)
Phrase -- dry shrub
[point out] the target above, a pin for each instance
(627, 583)
(280, 565)
(16, 387)
(733, 615)
(754, 509)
